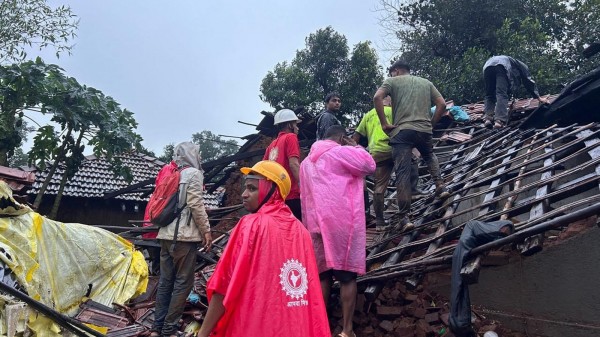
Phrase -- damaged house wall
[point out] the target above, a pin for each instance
(553, 293)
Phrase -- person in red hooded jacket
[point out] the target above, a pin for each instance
(266, 282)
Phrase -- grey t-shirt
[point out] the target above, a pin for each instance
(412, 98)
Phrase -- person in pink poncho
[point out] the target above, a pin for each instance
(331, 192)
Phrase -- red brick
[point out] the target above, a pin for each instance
(420, 313)
(432, 318)
(423, 326)
(410, 297)
(384, 311)
(386, 325)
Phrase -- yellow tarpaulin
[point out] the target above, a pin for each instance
(60, 264)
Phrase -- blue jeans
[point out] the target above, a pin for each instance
(402, 145)
(175, 284)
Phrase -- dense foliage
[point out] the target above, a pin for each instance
(34, 24)
(448, 41)
(325, 65)
(211, 147)
(79, 115)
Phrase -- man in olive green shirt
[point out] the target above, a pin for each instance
(381, 151)
(412, 97)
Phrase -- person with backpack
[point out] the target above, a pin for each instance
(179, 242)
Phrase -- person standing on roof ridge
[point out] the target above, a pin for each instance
(266, 282)
(501, 75)
(412, 97)
(285, 149)
(327, 117)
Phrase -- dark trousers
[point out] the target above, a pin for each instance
(175, 284)
(475, 234)
(154, 254)
(497, 90)
(295, 207)
(402, 145)
(383, 172)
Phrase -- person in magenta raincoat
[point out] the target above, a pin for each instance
(266, 282)
(331, 192)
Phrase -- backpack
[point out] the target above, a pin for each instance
(163, 205)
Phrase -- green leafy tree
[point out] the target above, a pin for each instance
(80, 115)
(34, 23)
(22, 89)
(213, 146)
(167, 155)
(448, 41)
(146, 151)
(19, 159)
(582, 29)
(89, 116)
(325, 65)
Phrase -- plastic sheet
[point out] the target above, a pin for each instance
(60, 264)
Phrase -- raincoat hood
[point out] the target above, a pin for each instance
(187, 154)
(264, 186)
(319, 148)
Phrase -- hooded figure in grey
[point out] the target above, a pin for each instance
(193, 223)
(178, 258)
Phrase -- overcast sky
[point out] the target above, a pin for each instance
(187, 66)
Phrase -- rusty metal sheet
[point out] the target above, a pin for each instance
(101, 318)
(456, 136)
(130, 331)
(150, 294)
(147, 319)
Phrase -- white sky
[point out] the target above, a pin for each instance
(187, 66)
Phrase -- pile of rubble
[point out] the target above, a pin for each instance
(402, 312)
(396, 312)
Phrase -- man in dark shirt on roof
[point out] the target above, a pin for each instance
(327, 117)
(501, 75)
(412, 98)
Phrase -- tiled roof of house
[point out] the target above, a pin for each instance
(15, 178)
(94, 178)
